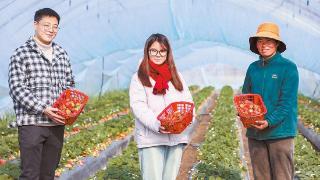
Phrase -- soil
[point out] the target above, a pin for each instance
(189, 157)
(246, 151)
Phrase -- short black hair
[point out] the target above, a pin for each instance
(46, 12)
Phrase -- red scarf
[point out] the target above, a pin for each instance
(161, 74)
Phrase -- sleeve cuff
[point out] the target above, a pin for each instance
(269, 120)
(156, 126)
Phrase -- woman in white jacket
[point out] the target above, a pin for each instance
(157, 84)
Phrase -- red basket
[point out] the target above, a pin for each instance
(176, 116)
(250, 108)
(70, 104)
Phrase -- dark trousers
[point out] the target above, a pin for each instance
(272, 159)
(40, 151)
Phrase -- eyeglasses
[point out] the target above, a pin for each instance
(48, 27)
(154, 52)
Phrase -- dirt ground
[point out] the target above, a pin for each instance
(246, 151)
(190, 154)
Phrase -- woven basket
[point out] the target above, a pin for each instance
(250, 108)
(70, 104)
(176, 116)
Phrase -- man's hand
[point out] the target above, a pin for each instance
(50, 112)
(260, 125)
(163, 130)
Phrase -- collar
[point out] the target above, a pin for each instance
(34, 46)
(270, 60)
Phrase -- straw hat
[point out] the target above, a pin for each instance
(267, 30)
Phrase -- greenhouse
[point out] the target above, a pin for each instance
(210, 41)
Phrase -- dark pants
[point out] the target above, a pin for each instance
(40, 151)
(272, 159)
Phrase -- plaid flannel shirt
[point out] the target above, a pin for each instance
(35, 83)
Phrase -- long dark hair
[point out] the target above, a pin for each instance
(143, 72)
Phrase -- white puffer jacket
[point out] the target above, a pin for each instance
(146, 107)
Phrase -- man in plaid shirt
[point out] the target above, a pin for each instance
(39, 71)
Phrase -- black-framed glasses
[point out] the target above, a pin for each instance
(154, 52)
(48, 27)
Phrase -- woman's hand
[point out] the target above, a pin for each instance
(260, 125)
(163, 130)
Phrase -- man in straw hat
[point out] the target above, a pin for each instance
(276, 79)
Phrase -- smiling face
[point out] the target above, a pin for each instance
(157, 53)
(46, 29)
(267, 47)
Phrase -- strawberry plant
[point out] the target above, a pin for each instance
(125, 166)
(201, 95)
(194, 88)
(9, 148)
(9, 171)
(304, 100)
(310, 118)
(84, 142)
(306, 159)
(309, 112)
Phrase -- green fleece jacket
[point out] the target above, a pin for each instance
(276, 80)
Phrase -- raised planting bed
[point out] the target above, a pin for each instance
(309, 112)
(306, 159)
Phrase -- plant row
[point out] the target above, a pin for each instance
(201, 95)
